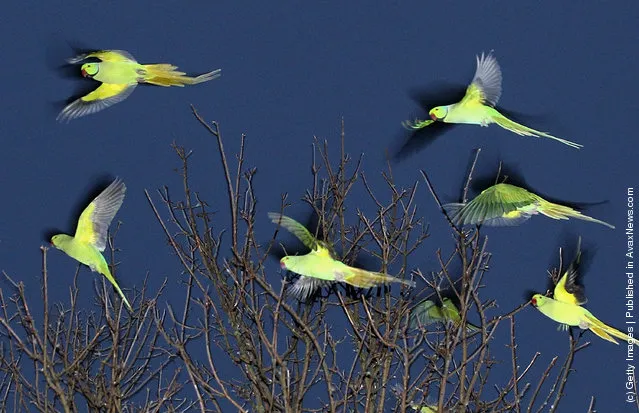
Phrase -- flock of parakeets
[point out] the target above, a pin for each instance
(499, 205)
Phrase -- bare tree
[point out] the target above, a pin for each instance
(239, 343)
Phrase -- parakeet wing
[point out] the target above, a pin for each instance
(498, 205)
(486, 84)
(567, 290)
(296, 229)
(96, 218)
(449, 309)
(425, 313)
(304, 287)
(105, 56)
(105, 95)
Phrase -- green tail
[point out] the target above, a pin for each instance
(522, 130)
(557, 211)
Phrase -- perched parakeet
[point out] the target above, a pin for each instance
(505, 204)
(319, 267)
(120, 73)
(90, 236)
(478, 105)
(565, 307)
(427, 312)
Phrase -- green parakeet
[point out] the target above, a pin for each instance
(120, 73)
(478, 105)
(565, 307)
(427, 312)
(423, 409)
(90, 236)
(505, 204)
(319, 267)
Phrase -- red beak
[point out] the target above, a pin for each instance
(84, 73)
(433, 117)
(534, 302)
(282, 265)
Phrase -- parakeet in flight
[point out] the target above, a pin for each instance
(565, 306)
(427, 312)
(90, 236)
(120, 73)
(319, 268)
(509, 205)
(478, 105)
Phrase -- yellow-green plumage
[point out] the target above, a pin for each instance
(565, 307)
(423, 409)
(509, 205)
(574, 315)
(427, 312)
(120, 73)
(89, 241)
(319, 267)
(477, 106)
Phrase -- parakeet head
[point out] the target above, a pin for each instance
(285, 262)
(56, 240)
(438, 113)
(539, 300)
(90, 69)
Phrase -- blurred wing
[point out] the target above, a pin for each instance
(486, 84)
(567, 290)
(498, 205)
(105, 95)
(105, 56)
(424, 314)
(449, 310)
(96, 218)
(296, 229)
(511, 219)
(304, 287)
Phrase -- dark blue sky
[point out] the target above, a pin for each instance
(292, 71)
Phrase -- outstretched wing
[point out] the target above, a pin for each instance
(498, 205)
(105, 56)
(567, 290)
(486, 84)
(304, 287)
(105, 95)
(296, 229)
(96, 218)
(425, 313)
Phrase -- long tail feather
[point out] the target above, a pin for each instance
(166, 75)
(557, 211)
(366, 279)
(616, 333)
(522, 130)
(117, 288)
(471, 328)
(599, 328)
(602, 333)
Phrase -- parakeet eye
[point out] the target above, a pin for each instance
(89, 69)
(438, 113)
